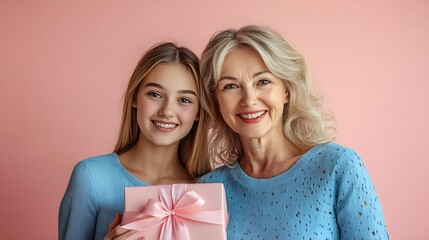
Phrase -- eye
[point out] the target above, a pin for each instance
(185, 100)
(230, 86)
(154, 94)
(263, 82)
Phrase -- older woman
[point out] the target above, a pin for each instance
(284, 177)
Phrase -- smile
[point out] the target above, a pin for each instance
(252, 115)
(165, 125)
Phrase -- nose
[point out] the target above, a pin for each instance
(167, 109)
(249, 96)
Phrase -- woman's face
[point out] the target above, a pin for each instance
(167, 104)
(251, 99)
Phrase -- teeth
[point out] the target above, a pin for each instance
(252, 115)
(165, 125)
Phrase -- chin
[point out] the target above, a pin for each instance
(248, 135)
(165, 142)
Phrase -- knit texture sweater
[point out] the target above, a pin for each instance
(326, 194)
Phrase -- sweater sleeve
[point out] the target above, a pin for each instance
(358, 210)
(77, 214)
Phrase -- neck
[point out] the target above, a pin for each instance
(155, 164)
(265, 158)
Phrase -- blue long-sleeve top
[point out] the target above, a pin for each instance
(94, 195)
(326, 194)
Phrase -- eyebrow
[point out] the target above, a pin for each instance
(253, 76)
(156, 85)
(260, 73)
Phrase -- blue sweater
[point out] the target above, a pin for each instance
(326, 194)
(94, 195)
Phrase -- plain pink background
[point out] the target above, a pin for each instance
(64, 66)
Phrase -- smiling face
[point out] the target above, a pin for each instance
(167, 104)
(251, 99)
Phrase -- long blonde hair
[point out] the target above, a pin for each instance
(306, 123)
(193, 147)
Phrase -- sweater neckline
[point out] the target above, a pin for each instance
(295, 169)
(135, 181)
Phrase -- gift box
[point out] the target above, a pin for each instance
(176, 212)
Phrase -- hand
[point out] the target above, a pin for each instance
(118, 233)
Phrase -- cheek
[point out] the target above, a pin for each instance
(146, 109)
(279, 96)
(278, 103)
(189, 114)
(224, 103)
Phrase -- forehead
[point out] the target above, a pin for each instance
(172, 74)
(242, 59)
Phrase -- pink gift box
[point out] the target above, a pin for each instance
(177, 211)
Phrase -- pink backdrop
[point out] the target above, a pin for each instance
(64, 66)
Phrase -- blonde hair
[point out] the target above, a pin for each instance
(192, 148)
(306, 123)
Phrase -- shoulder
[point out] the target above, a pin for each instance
(97, 176)
(97, 167)
(335, 154)
(97, 163)
(344, 165)
(88, 190)
(334, 150)
(219, 174)
(335, 160)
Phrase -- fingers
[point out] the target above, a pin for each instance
(119, 233)
(116, 232)
(115, 222)
(136, 236)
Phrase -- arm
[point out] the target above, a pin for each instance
(358, 210)
(78, 209)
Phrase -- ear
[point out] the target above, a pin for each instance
(197, 117)
(286, 100)
(134, 104)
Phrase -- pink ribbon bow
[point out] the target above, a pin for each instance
(174, 205)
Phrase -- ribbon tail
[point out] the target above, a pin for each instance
(181, 232)
(167, 229)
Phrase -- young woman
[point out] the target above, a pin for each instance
(162, 140)
(285, 177)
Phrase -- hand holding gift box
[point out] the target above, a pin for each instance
(176, 212)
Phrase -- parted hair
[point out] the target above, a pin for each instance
(306, 122)
(192, 148)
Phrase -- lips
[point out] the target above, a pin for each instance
(250, 116)
(165, 125)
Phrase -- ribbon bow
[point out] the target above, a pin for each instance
(174, 205)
